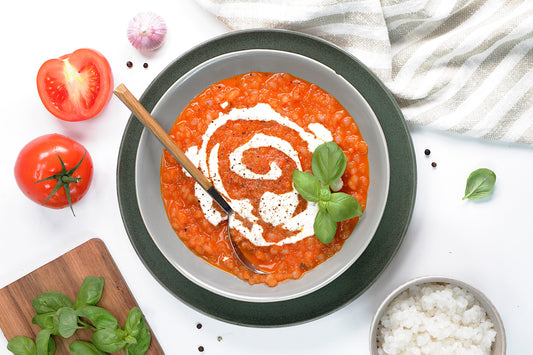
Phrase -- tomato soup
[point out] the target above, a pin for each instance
(247, 134)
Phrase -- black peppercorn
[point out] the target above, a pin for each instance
(129, 64)
(145, 65)
(427, 152)
(201, 349)
(434, 164)
(199, 325)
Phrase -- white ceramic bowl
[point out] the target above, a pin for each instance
(498, 347)
(148, 168)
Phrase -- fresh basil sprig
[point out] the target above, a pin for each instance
(328, 165)
(479, 184)
(137, 327)
(58, 315)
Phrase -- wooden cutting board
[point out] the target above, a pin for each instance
(65, 274)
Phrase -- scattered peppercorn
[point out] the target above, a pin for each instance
(145, 65)
(427, 152)
(201, 349)
(219, 338)
(434, 164)
(199, 325)
(129, 64)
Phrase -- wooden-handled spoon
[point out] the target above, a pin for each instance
(144, 116)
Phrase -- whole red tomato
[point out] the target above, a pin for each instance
(54, 171)
(76, 86)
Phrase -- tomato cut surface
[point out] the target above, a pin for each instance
(76, 86)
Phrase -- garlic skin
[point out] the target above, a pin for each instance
(146, 31)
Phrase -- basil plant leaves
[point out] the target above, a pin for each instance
(328, 164)
(57, 315)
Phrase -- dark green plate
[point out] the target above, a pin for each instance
(387, 239)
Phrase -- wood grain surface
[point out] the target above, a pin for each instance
(65, 274)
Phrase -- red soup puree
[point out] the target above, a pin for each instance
(247, 134)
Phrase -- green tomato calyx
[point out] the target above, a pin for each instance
(64, 179)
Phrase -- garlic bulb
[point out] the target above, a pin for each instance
(146, 31)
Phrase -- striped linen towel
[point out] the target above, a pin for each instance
(464, 66)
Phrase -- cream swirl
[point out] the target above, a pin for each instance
(275, 209)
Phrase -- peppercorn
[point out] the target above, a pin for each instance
(434, 164)
(145, 65)
(427, 152)
(199, 326)
(201, 349)
(129, 64)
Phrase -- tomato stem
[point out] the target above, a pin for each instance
(69, 179)
(64, 178)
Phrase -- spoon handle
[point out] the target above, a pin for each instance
(144, 116)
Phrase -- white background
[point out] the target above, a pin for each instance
(487, 243)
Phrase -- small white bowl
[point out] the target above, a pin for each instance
(498, 346)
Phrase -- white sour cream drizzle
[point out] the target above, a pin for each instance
(278, 210)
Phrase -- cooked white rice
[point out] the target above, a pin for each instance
(435, 319)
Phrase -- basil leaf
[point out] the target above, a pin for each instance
(143, 340)
(79, 347)
(99, 317)
(51, 346)
(328, 162)
(342, 206)
(22, 346)
(479, 184)
(45, 344)
(46, 321)
(133, 321)
(336, 185)
(306, 184)
(111, 340)
(50, 301)
(324, 226)
(68, 322)
(90, 292)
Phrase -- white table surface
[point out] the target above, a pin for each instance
(486, 243)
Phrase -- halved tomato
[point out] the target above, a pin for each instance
(76, 86)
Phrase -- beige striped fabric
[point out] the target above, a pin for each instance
(464, 66)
